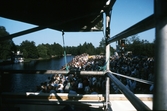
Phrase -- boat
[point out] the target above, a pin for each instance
(17, 57)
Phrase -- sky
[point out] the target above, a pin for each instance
(125, 13)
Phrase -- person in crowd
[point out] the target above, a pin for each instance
(94, 90)
(60, 87)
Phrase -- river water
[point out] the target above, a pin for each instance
(28, 82)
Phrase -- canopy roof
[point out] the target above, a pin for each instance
(67, 15)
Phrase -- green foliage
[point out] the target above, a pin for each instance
(88, 48)
(49, 50)
(102, 46)
(7, 46)
(72, 50)
(25, 53)
(30, 49)
(134, 44)
(139, 47)
(57, 49)
(102, 43)
(3, 31)
(42, 50)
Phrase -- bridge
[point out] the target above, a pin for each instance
(84, 21)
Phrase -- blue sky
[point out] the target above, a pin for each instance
(125, 13)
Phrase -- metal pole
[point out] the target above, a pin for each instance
(107, 36)
(141, 26)
(160, 87)
(135, 101)
(107, 93)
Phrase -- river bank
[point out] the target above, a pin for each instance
(8, 62)
(40, 58)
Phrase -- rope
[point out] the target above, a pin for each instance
(64, 52)
(104, 67)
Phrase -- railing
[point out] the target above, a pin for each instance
(157, 20)
(137, 103)
(52, 72)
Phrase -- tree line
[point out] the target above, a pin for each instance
(30, 50)
(140, 47)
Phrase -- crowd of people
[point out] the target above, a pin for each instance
(141, 67)
(138, 66)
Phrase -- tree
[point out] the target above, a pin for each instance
(102, 43)
(30, 48)
(71, 50)
(139, 47)
(25, 53)
(89, 48)
(7, 46)
(49, 50)
(57, 49)
(102, 48)
(42, 50)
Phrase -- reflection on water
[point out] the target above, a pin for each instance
(22, 82)
(47, 64)
(28, 82)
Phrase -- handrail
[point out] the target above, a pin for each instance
(73, 72)
(135, 79)
(53, 72)
(141, 26)
(136, 102)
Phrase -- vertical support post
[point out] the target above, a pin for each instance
(160, 83)
(107, 36)
(107, 92)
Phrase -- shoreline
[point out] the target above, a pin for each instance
(28, 60)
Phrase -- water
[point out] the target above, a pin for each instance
(28, 82)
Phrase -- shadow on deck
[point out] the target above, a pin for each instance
(31, 101)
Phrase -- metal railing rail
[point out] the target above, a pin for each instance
(52, 72)
(141, 26)
(133, 78)
(97, 73)
(136, 102)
